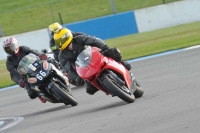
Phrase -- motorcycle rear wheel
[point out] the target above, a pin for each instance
(64, 95)
(139, 90)
(112, 86)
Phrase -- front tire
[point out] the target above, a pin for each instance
(112, 86)
(64, 95)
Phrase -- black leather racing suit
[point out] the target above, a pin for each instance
(67, 56)
(12, 64)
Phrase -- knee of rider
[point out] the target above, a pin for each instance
(28, 87)
(72, 75)
(32, 96)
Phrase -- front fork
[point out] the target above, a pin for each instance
(133, 83)
(61, 74)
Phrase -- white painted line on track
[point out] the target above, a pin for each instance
(6, 123)
(1, 123)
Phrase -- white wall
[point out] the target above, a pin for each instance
(167, 15)
(36, 39)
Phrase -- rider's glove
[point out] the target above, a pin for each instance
(104, 48)
(21, 83)
(43, 56)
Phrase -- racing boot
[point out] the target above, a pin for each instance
(90, 89)
(30, 90)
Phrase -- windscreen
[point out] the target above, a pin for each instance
(84, 57)
(26, 63)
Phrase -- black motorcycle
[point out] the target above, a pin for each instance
(47, 81)
(71, 75)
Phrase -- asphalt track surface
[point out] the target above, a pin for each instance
(170, 103)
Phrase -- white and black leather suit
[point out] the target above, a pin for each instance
(12, 64)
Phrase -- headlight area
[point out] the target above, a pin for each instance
(45, 65)
(32, 80)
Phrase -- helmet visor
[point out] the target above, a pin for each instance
(60, 41)
(9, 49)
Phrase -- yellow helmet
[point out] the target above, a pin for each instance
(63, 38)
(55, 27)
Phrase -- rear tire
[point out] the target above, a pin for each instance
(114, 88)
(139, 90)
(64, 95)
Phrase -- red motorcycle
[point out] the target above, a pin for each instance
(107, 75)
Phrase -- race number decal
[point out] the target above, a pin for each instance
(41, 75)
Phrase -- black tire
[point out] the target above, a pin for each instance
(139, 90)
(115, 89)
(64, 95)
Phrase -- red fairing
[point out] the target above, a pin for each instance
(118, 67)
(94, 66)
(99, 63)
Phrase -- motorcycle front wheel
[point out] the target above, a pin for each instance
(112, 86)
(63, 94)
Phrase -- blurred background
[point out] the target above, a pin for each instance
(21, 16)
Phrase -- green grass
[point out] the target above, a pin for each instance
(5, 77)
(143, 44)
(138, 45)
(18, 16)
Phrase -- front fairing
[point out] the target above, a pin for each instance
(26, 64)
(31, 66)
(88, 62)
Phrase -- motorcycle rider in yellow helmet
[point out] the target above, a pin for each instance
(52, 29)
(72, 75)
(70, 47)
